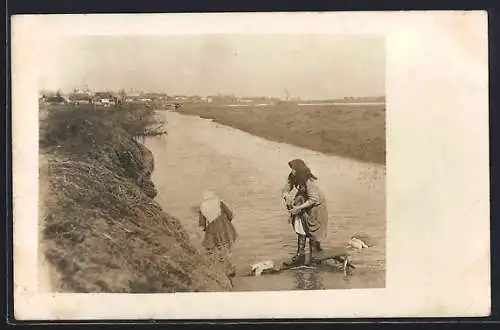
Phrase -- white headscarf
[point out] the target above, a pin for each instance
(210, 207)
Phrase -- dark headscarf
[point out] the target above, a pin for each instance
(302, 173)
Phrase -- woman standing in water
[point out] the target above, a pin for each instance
(215, 219)
(309, 215)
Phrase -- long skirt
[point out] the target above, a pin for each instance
(220, 256)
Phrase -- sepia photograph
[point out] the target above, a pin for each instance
(216, 161)
(213, 162)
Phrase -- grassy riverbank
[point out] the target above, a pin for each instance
(101, 230)
(354, 131)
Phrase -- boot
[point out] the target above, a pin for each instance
(317, 246)
(300, 257)
(298, 249)
(296, 256)
(314, 246)
(311, 249)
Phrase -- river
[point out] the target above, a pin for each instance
(247, 172)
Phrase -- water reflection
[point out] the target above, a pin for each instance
(308, 279)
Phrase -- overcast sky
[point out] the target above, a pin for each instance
(309, 66)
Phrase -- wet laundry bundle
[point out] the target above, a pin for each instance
(357, 243)
(262, 267)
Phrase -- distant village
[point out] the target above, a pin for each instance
(80, 96)
(108, 98)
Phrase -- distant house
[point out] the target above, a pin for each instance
(155, 96)
(195, 99)
(180, 98)
(82, 90)
(104, 98)
(79, 98)
(130, 99)
(54, 99)
(145, 97)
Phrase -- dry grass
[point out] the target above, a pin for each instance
(356, 132)
(102, 231)
(80, 129)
